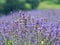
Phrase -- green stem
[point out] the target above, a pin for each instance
(39, 38)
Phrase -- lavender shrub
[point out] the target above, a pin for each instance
(20, 28)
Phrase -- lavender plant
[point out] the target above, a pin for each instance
(21, 28)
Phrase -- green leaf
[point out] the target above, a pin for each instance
(9, 42)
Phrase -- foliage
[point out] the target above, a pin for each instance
(13, 5)
(9, 42)
(34, 3)
(9, 5)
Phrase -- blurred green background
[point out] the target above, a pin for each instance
(13, 5)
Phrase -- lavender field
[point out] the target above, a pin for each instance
(37, 27)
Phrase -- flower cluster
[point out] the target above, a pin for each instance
(22, 29)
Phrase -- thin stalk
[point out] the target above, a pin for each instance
(39, 38)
